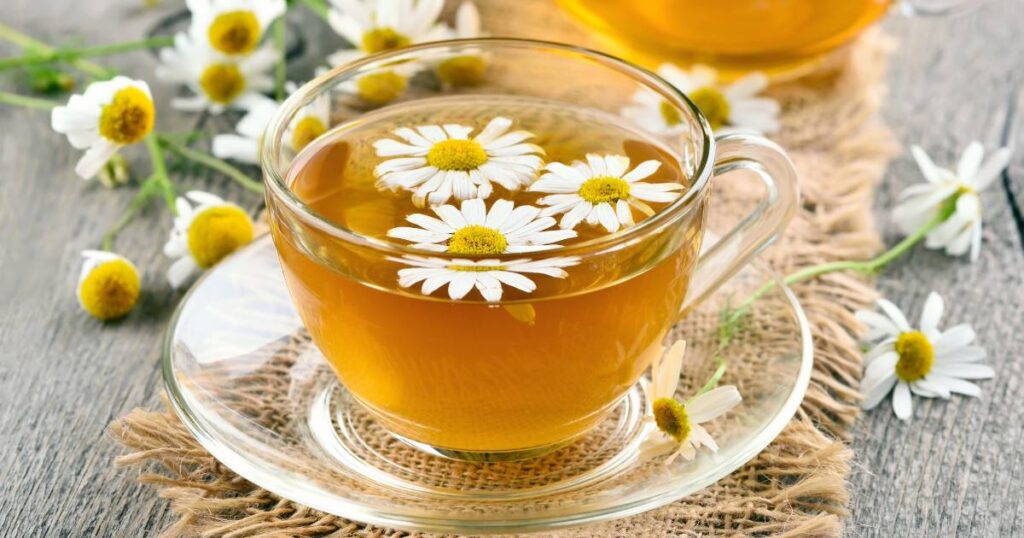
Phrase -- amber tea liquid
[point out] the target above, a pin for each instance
(535, 370)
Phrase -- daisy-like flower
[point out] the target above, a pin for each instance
(601, 191)
(203, 235)
(243, 145)
(927, 361)
(373, 26)
(487, 276)
(217, 80)
(109, 115)
(233, 27)
(437, 162)
(109, 284)
(735, 107)
(475, 231)
(465, 69)
(954, 193)
(679, 424)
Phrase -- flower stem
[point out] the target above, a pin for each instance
(146, 192)
(72, 53)
(160, 177)
(26, 101)
(213, 163)
(281, 69)
(32, 44)
(863, 267)
(316, 6)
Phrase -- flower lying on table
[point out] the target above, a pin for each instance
(679, 424)
(203, 235)
(109, 284)
(925, 361)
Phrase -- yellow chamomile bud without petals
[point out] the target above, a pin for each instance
(671, 418)
(115, 172)
(916, 356)
(110, 288)
(381, 88)
(129, 116)
(222, 82)
(713, 104)
(216, 232)
(235, 32)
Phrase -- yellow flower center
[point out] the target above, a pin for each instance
(216, 232)
(916, 356)
(671, 418)
(477, 240)
(306, 131)
(454, 154)
(670, 114)
(462, 71)
(713, 104)
(110, 290)
(382, 39)
(222, 83)
(128, 117)
(381, 88)
(476, 268)
(235, 32)
(604, 189)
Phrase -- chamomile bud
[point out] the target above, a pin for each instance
(204, 234)
(108, 286)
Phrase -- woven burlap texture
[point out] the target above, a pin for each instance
(796, 487)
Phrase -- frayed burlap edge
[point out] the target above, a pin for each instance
(795, 487)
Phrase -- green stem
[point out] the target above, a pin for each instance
(160, 177)
(30, 43)
(213, 163)
(281, 70)
(26, 102)
(713, 381)
(71, 53)
(864, 267)
(141, 199)
(316, 6)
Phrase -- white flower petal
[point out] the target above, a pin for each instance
(931, 313)
(713, 404)
(901, 403)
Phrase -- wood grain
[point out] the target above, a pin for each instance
(956, 469)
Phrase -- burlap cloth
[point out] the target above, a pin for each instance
(796, 487)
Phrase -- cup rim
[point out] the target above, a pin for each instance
(274, 173)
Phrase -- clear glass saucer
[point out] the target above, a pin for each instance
(247, 382)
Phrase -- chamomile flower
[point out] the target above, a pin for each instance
(109, 115)
(952, 192)
(243, 145)
(487, 276)
(475, 231)
(233, 27)
(373, 26)
(734, 106)
(925, 361)
(679, 424)
(204, 234)
(310, 123)
(108, 285)
(218, 81)
(601, 191)
(437, 162)
(467, 69)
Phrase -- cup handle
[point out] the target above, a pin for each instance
(919, 8)
(759, 228)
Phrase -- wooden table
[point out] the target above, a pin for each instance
(956, 469)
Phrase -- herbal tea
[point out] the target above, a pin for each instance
(482, 335)
(738, 35)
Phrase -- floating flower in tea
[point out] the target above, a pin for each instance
(438, 162)
(474, 230)
(109, 115)
(203, 235)
(218, 81)
(952, 192)
(108, 285)
(925, 361)
(233, 27)
(487, 276)
(601, 191)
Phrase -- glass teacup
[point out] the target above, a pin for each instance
(477, 377)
